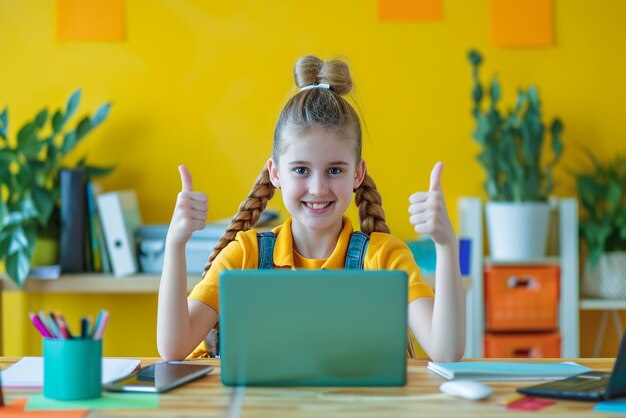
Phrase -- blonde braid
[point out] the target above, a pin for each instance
(247, 215)
(371, 213)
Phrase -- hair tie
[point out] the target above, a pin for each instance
(316, 86)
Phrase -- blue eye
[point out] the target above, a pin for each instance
(335, 171)
(300, 170)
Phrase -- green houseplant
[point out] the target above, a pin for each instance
(518, 183)
(602, 194)
(29, 179)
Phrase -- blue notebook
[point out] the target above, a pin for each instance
(498, 370)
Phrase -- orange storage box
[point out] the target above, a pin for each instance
(523, 345)
(521, 298)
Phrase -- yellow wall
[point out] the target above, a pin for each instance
(201, 83)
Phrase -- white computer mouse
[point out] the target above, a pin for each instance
(466, 389)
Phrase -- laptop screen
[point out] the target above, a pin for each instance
(617, 383)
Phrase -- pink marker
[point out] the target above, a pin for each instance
(40, 326)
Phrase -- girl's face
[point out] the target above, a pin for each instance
(317, 174)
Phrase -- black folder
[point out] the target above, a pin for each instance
(73, 219)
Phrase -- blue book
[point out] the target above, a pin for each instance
(499, 370)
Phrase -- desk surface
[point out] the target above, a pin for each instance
(420, 397)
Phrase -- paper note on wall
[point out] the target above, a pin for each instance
(522, 22)
(90, 20)
(424, 10)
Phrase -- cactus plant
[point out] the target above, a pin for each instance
(512, 143)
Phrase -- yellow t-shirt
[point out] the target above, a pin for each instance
(385, 252)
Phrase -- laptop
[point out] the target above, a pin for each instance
(313, 327)
(588, 386)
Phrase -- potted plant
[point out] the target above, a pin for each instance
(602, 194)
(518, 182)
(29, 179)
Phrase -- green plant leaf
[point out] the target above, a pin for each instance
(477, 95)
(474, 57)
(27, 141)
(72, 104)
(45, 202)
(5, 239)
(30, 231)
(4, 211)
(18, 266)
(533, 96)
(83, 128)
(41, 118)
(94, 172)
(57, 121)
(613, 195)
(18, 241)
(594, 256)
(483, 128)
(6, 156)
(100, 115)
(69, 141)
(4, 123)
(494, 92)
(587, 189)
(14, 218)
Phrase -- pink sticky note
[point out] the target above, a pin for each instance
(528, 403)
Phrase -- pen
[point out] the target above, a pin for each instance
(39, 325)
(97, 323)
(84, 328)
(89, 326)
(102, 325)
(46, 323)
(54, 327)
(65, 331)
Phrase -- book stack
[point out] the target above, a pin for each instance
(97, 229)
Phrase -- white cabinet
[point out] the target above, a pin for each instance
(562, 250)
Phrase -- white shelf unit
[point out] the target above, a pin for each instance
(562, 250)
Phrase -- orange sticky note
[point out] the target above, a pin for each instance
(522, 22)
(16, 409)
(425, 10)
(90, 20)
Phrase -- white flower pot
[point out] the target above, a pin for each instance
(517, 231)
(606, 280)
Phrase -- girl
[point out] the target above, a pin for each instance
(316, 164)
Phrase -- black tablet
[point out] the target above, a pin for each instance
(159, 377)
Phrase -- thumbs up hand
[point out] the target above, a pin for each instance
(190, 213)
(428, 212)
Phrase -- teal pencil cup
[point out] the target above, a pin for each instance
(72, 369)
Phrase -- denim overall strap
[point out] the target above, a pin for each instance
(266, 242)
(356, 251)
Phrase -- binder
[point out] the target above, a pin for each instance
(502, 370)
(120, 217)
(73, 220)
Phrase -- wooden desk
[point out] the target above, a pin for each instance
(419, 398)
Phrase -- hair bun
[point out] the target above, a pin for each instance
(310, 70)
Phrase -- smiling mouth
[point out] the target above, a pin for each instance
(317, 206)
